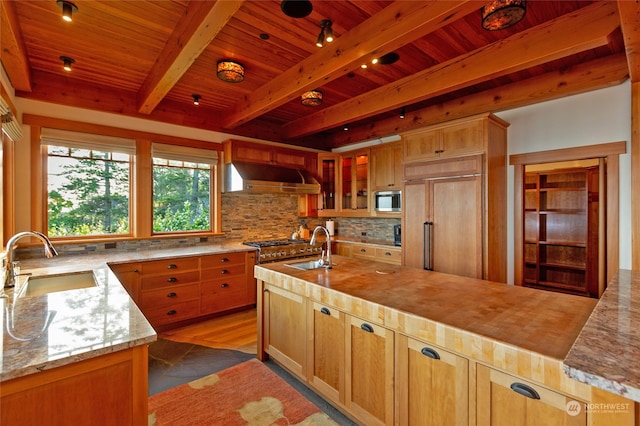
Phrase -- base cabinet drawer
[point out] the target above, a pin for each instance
(505, 399)
(179, 264)
(169, 296)
(170, 280)
(173, 313)
(220, 295)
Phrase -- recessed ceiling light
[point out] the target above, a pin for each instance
(264, 36)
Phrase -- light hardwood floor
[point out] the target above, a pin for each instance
(235, 331)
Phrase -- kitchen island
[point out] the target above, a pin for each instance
(80, 356)
(385, 341)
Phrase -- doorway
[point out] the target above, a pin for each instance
(604, 158)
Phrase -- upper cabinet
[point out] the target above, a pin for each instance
(345, 184)
(251, 152)
(448, 140)
(386, 167)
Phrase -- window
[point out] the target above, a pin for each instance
(88, 184)
(182, 178)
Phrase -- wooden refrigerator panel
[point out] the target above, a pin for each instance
(456, 241)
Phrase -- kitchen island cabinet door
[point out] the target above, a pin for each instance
(129, 276)
(507, 400)
(326, 351)
(432, 385)
(369, 371)
(285, 328)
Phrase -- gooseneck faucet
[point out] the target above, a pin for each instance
(326, 263)
(9, 273)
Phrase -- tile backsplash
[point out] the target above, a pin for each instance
(244, 217)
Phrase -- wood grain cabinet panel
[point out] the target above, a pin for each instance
(285, 328)
(326, 351)
(432, 385)
(107, 390)
(454, 208)
(507, 400)
(369, 371)
(389, 254)
(386, 167)
(129, 276)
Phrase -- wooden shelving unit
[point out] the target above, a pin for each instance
(561, 230)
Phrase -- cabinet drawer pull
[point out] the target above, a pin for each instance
(224, 259)
(224, 285)
(431, 353)
(366, 327)
(525, 390)
(325, 311)
(224, 271)
(172, 279)
(387, 253)
(172, 266)
(172, 312)
(363, 250)
(172, 294)
(135, 270)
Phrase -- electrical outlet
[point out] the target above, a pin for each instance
(364, 233)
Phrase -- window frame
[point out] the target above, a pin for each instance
(141, 182)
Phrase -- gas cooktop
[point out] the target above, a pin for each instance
(281, 249)
(272, 243)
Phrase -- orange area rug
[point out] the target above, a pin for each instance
(245, 394)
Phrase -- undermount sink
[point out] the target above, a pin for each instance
(37, 286)
(307, 264)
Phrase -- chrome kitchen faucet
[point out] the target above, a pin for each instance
(9, 272)
(326, 263)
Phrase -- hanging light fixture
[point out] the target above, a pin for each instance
(402, 112)
(501, 14)
(229, 71)
(345, 127)
(196, 99)
(67, 9)
(311, 98)
(326, 33)
(67, 62)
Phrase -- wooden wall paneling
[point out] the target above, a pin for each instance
(635, 175)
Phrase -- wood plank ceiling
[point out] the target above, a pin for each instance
(146, 58)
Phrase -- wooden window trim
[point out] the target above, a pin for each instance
(609, 152)
(141, 211)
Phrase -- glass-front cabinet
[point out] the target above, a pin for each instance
(345, 184)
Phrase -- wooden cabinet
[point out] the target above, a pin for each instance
(504, 399)
(444, 219)
(170, 291)
(561, 230)
(369, 371)
(252, 152)
(223, 282)
(345, 184)
(376, 253)
(129, 276)
(327, 351)
(386, 167)
(432, 385)
(454, 208)
(460, 137)
(351, 363)
(107, 390)
(285, 328)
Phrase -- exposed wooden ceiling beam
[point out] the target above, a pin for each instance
(395, 26)
(630, 25)
(13, 53)
(202, 21)
(597, 74)
(569, 34)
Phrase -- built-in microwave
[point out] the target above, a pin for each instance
(388, 201)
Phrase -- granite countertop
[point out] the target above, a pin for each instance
(606, 353)
(82, 323)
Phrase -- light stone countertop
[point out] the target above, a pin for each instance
(84, 323)
(606, 354)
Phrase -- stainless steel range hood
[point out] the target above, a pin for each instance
(252, 177)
